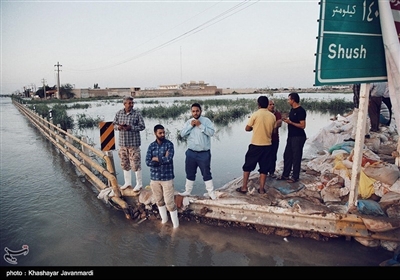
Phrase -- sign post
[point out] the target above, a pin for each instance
(350, 50)
(350, 46)
(107, 138)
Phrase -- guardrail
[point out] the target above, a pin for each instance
(81, 158)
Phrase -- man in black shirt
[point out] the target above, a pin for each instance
(295, 140)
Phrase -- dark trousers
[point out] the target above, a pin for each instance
(201, 160)
(374, 111)
(257, 155)
(292, 156)
(273, 155)
(386, 100)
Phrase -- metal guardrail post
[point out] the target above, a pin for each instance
(111, 156)
(85, 150)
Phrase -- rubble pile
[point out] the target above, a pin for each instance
(332, 159)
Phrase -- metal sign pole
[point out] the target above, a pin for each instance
(359, 145)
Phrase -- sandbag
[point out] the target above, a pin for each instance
(339, 165)
(366, 186)
(382, 171)
(368, 157)
(380, 189)
(321, 164)
(395, 187)
(389, 199)
(393, 211)
(330, 195)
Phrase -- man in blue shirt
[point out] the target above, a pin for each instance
(159, 158)
(129, 123)
(198, 131)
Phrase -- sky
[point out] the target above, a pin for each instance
(228, 44)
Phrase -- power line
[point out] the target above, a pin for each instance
(228, 13)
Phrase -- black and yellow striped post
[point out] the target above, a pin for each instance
(107, 138)
(107, 141)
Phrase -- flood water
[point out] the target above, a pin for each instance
(46, 206)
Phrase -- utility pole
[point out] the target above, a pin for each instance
(181, 63)
(58, 79)
(44, 88)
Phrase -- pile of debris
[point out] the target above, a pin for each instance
(333, 160)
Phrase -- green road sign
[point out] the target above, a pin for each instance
(350, 47)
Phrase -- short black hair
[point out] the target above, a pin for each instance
(157, 127)
(263, 101)
(295, 97)
(196, 105)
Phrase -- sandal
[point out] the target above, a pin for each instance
(258, 190)
(282, 178)
(292, 180)
(240, 190)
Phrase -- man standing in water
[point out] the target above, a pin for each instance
(295, 140)
(198, 131)
(159, 158)
(129, 123)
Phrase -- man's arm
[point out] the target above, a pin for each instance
(186, 128)
(169, 154)
(207, 127)
(149, 157)
(278, 122)
(140, 125)
(116, 122)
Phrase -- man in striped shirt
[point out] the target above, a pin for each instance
(128, 122)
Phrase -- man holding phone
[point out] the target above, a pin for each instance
(295, 140)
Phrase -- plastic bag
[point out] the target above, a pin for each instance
(366, 186)
(369, 207)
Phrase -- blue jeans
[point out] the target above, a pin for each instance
(201, 160)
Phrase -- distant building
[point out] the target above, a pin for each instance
(106, 92)
(192, 88)
(169, 87)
